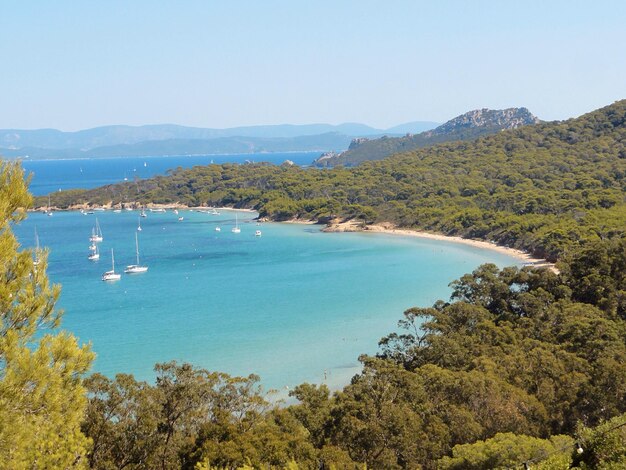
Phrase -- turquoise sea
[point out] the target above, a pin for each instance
(293, 305)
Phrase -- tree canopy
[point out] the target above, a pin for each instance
(42, 398)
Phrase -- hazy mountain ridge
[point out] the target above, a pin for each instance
(467, 126)
(14, 139)
(221, 145)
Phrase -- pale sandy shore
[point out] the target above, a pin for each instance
(352, 226)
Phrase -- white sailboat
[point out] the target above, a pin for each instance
(136, 268)
(143, 213)
(94, 255)
(111, 275)
(96, 233)
(236, 228)
(258, 233)
(139, 224)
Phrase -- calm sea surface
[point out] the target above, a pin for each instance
(54, 175)
(293, 305)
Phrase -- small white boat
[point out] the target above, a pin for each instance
(94, 255)
(96, 233)
(176, 211)
(99, 209)
(217, 229)
(117, 211)
(257, 233)
(136, 268)
(180, 219)
(111, 275)
(236, 228)
(213, 212)
(139, 224)
(143, 213)
(157, 210)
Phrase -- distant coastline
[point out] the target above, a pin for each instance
(121, 157)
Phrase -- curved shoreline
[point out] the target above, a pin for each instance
(392, 230)
(353, 226)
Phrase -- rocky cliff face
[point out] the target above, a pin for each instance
(468, 126)
(357, 142)
(510, 118)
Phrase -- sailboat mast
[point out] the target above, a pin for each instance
(137, 248)
(112, 261)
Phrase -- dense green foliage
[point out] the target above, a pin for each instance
(547, 188)
(191, 416)
(42, 399)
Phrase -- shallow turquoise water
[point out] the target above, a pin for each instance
(293, 305)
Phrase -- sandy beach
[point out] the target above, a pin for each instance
(351, 226)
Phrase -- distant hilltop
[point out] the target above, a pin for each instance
(467, 126)
(169, 139)
(510, 118)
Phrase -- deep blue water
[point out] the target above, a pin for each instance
(52, 175)
(293, 305)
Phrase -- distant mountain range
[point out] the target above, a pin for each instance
(167, 139)
(467, 126)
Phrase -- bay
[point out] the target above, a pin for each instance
(293, 305)
(54, 175)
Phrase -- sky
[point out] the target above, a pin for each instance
(72, 65)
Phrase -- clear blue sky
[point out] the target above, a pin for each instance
(78, 64)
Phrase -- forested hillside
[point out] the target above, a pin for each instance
(547, 188)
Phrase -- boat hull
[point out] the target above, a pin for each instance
(109, 276)
(133, 269)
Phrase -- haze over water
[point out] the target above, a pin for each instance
(293, 305)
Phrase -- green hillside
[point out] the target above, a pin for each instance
(545, 188)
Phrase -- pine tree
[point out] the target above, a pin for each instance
(42, 399)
